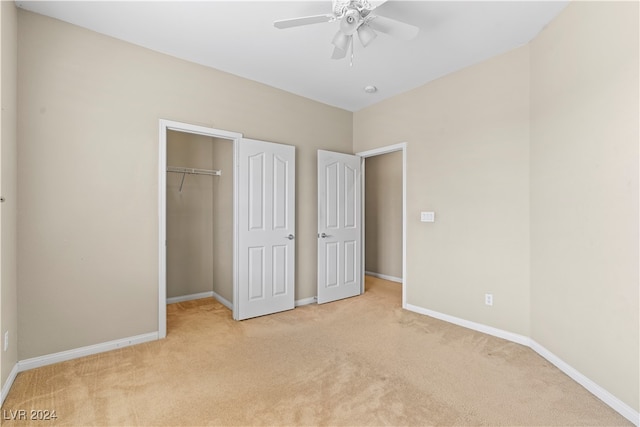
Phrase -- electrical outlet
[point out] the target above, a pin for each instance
(6, 341)
(488, 299)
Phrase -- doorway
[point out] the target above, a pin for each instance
(383, 216)
(167, 126)
(199, 218)
(387, 260)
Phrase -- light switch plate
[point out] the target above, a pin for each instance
(427, 216)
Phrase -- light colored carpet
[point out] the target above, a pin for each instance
(361, 361)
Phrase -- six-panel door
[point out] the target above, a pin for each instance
(339, 226)
(266, 234)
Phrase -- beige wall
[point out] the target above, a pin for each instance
(383, 214)
(223, 220)
(200, 217)
(584, 193)
(87, 172)
(189, 216)
(8, 188)
(540, 140)
(467, 140)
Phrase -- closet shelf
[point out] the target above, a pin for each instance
(193, 171)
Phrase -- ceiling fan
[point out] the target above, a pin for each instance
(355, 17)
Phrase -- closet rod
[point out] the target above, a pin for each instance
(194, 171)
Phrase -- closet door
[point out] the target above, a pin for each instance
(266, 229)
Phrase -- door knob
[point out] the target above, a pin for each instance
(290, 237)
(324, 235)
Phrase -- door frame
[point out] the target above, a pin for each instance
(378, 152)
(166, 125)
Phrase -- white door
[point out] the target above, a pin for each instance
(339, 226)
(266, 229)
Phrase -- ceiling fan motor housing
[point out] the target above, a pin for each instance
(342, 7)
(350, 22)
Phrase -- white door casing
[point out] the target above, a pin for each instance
(266, 228)
(339, 226)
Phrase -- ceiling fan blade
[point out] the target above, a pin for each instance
(376, 3)
(392, 27)
(305, 20)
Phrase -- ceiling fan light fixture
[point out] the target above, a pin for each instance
(351, 21)
(341, 40)
(366, 34)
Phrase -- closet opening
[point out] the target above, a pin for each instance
(197, 216)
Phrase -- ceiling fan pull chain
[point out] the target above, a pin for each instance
(351, 58)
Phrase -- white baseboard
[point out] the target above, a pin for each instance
(489, 330)
(49, 359)
(306, 301)
(7, 384)
(602, 394)
(384, 276)
(616, 404)
(210, 294)
(183, 298)
(222, 300)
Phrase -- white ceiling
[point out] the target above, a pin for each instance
(239, 37)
